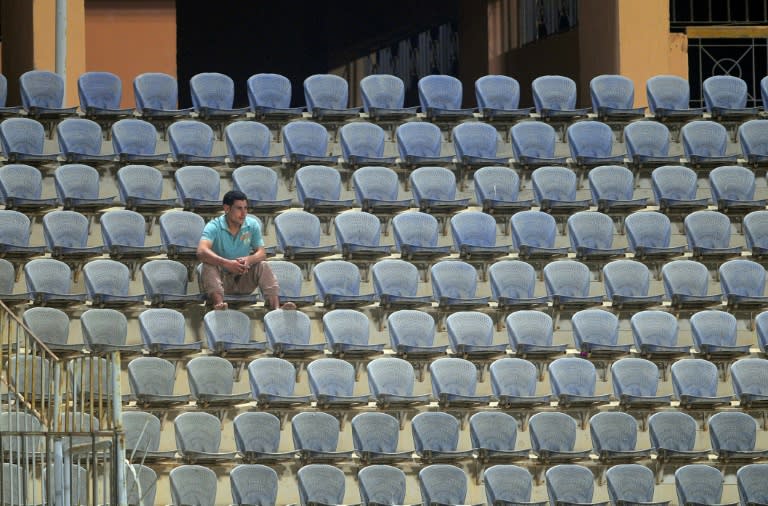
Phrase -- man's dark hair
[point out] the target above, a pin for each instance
(232, 195)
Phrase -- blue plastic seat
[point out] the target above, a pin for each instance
(193, 484)
(567, 283)
(327, 98)
(191, 142)
(434, 191)
(591, 145)
(709, 238)
(151, 380)
(436, 438)
(647, 144)
(180, 232)
(260, 186)
(347, 334)
(51, 326)
(591, 236)
(513, 384)
(199, 188)
(470, 334)
(228, 334)
(419, 144)
(269, 96)
(140, 188)
(375, 438)
(23, 141)
(316, 437)
(42, 96)
(211, 381)
(613, 99)
(596, 333)
(257, 438)
(253, 484)
(163, 333)
(249, 142)
(416, 239)
(614, 438)
(648, 237)
(705, 144)
(626, 284)
(338, 285)
(105, 331)
(714, 336)
(15, 230)
(80, 142)
(454, 383)
(573, 381)
(107, 283)
(533, 237)
(749, 383)
(555, 98)
(135, 141)
(298, 239)
(733, 190)
(440, 99)
(494, 436)
(753, 139)
(669, 100)
(612, 188)
(142, 437)
(273, 382)
(384, 99)
(513, 284)
(77, 187)
(377, 190)
(391, 381)
(699, 484)
(362, 144)
(306, 143)
(754, 226)
(686, 284)
(381, 484)
(530, 335)
(733, 436)
(476, 146)
(290, 279)
(725, 98)
(21, 188)
(497, 191)
(498, 99)
(631, 483)
(358, 236)
(533, 144)
(100, 94)
(412, 336)
(509, 484)
(750, 481)
(66, 237)
(49, 283)
(212, 96)
(332, 382)
(198, 438)
(694, 382)
(474, 238)
(124, 237)
(443, 484)
(318, 189)
(655, 336)
(156, 96)
(166, 284)
(554, 191)
(454, 287)
(570, 484)
(320, 484)
(673, 438)
(761, 327)
(674, 190)
(635, 385)
(553, 438)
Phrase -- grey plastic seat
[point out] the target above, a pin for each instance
(553, 438)
(631, 483)
(513, 286)
(253, 484)
(191, 143)
(193, 484)
(77, 187)
(454, 383)
(259, 184)
(381, 484)
(90, 381)
(124, 236)
(375, 438)
(316, 438)
(135, 141)
(198, 436)
(694, 382)
(320, 484)
(14, 484)
(142, 438)
(140, 484)
(338, 285)
(152, 383)
(20, 447)
(470, 334)
(29, 376)
(626, 284)
(141, 189)
(442, 484)
(750, 481)
(509, 484)
(347, 335)
(49, 283)
(211, 383)
(436, 437)
(228, 334)
(391, 382)
(332, 382)
(570, 484)
(699, 484)
(163, 333)
(733, 435)
(686, 285)
(257, 438)
(288, 334)
(105, 331)
(272, 382)
(107, 283)
(299, 240)
(614, 438)
(494, 436)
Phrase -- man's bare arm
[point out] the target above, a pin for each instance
(206, 255)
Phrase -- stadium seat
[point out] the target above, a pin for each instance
(253, 484)
(198, 437)
(533, 144)
(362, 144)
(513, 287)
(570, 484)
(191, 143)
(412, 337)
(513, 383)
(416, 239)
(440, 99)
(124, 236)
(272, 383)
(199, 189)
(553, 438)
(434, 191)
(753, 139)
(89, 379)
(454, 384)
(327, 99)
(613, 99)
(151, 380)
(15, 230)
(709, 238)
(674, 190)
(166, 283)
(443, 484)
(470, 334)
(381, 484)
(376, 191)
(673, 438)
(142, 438)
(80, 142)
(77, 187)
(755, 228)
(6, 111)
(156, 97)
(555, 100)
(749, 384)
(761, 327)
(332, 382)
(23, 141)
(298, 239)
(631, 483)
(750, 481)
(141, 189)
(694, 382)
(647, 144)
(316, 437)
(269, 96)
(591, 145)
(180, 233)
(476, 146)
(591, 236)
(257, 438)
(249, 142)
(105, 331)
(474, 238)
(51, 327)
(21, 446)
(66, 237)
(318, 189)
(100, 94)
(573, 381)
(705, 144)
(375, 438)
(418, 144)
(8, 276)
(530, 337)
(612, 188)
(554, 191)
(228, 334)
(725, 98)
(454, 287)
(567, 283)
(320, 484)
(497, 191)
(669, 100)
(260, 186)
(733, 436)
(533, 237)
(305, 143)
(213, 95)
(193, 484)
(384, 99)
(211, 383)
(135, 141)
(648, 238)
(626, 284)
(436, 438)
(699, 484)
(614, 438)
(498, 100)
(635, 386)
(358, 236)
(21, 188)
(163, 332)
(686, 284)
(494, 436)
(338, 285)
(42, 96)
(391, 382)
(49, 283)
(140, 483)
(714, 338)
(596, 335)
(290, 279)
(509, 483)
(347, 335)
(733, 190)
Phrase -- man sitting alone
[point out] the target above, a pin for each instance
(233, 256)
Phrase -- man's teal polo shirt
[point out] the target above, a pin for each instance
(228, 246)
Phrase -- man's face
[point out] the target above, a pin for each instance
(237, 212)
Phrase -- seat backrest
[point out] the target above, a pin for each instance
(271, 376)
(672, 430)
(513, 377)
(189, 137)
(20, 181)
(286, 327)
(724, 91)
(382, 91)
(337, 277)
(614, 91)
(694, 376)
(76, 180)
(102, 90)
(134, 136)
(569, 483)
(306, 138)
(357, 227)
(590, 138)
(381, 484)
(49, 324)
(732, 431)
(41, 88)
(316, 431)
(411, 328)
(443, 484)
(590, 229)
(707, 229)
(22, 135)
(553, 183)
(533, 228)
(14, 228)
(673, 182)
(647, 229)
(469, 328)
(65, 229)
(732, 182)
(473, 228)
(327, 91)
(474, 139)
(436, 183)
(181, 228)
(377, 183)
(512, 278)
(162, 325)
(297, 229)
(415, 228)
(139, 181)
(613, 431)
(253, 484)
(533, 138)
(595, 326)
(755, 227)
(140, 484)
(418, 138)
(493, 431)
(553, 92)
(611, 182)
(647, 138)
(751, 483)
(269, 90)
(508, 483)
(193, 484)
(361, 138)
(567, 277)
(375, 432)
(390, 376)
(151, 376)
(320, 484)
(752, 136)
(48, 275)
(497, 92)
(164, 277)
(704, 138)
(436, 431)
(122, 228)
(453, 376)
(345, 326)
(667, 92)
(212, 89)
(142, 431)
(554, 431)
(748, 377)
(79, 135)
(318, 182)
(634, 376)
(104, 326)
(197, 431)
(572, 376)
(210, 375)
(685, 277)
(630, 483)
(256, 431)
(699, 483)
(247, 138)
(155, 90)
(529, 327)
(626, 278)
(439, 91)
(197, 182)
(228, 326)
(454, 279)
(331, 376)
(496, 183)
(713, 328)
